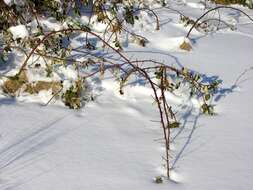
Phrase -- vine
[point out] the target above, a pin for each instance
(50, 46)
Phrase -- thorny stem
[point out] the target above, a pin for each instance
(140, 70)
(213, 9)
(164, 109)
(166, 128)
(162, 105)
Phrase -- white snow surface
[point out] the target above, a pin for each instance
(114, 142)
(8, 2)
(19, 31)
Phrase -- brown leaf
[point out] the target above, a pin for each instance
(185, 46)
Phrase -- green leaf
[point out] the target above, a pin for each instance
(207, 109)
(196, 77)
(158, 179)
(207, 97)
(158, 74)
(174, 125)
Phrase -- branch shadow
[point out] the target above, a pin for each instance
(27, 150)
(44, 136)
(185, 122)
(7, 101)
(189, 124)
(110, 55)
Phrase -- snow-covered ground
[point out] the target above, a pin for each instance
(115, 141)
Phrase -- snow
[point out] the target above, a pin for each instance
(114, 142)
(196, 5)
(19, 31)
(8, 2)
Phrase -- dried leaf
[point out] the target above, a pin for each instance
(185, 46)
